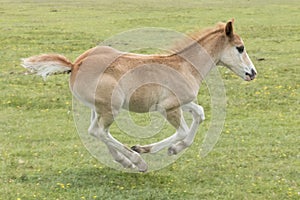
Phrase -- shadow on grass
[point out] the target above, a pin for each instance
(107, 177)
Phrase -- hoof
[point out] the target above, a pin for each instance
(136, 148)
(171, 151)
(143, 168)
(141, 149)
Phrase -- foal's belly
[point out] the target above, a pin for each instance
(150, 97)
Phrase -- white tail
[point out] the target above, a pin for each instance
(47, 64)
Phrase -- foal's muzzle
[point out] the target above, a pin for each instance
(250, 76)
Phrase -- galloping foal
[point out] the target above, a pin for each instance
(107, 80)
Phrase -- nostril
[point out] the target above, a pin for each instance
(252, 74)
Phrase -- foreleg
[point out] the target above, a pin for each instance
(198, 116)
(175, 117)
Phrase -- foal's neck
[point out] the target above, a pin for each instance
(203, 53)
(213, 43)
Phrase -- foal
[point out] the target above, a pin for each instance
(107, 80)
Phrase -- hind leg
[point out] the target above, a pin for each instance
(176, 119)
(118, 157)
(121, 154)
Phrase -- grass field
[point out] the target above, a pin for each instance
(256, 157)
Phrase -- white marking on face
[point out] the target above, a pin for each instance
(237, 60)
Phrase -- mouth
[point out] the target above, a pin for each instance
(250, 76)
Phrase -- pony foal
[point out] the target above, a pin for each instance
(107, 80)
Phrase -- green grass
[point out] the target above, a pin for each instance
(256, 157)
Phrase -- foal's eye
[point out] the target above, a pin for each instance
(240, 49)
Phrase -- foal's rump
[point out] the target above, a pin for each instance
(89, 73)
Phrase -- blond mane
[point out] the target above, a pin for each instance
(197, 37)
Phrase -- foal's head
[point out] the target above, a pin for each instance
(234, 55)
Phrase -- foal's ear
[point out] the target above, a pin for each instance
(229, 28)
